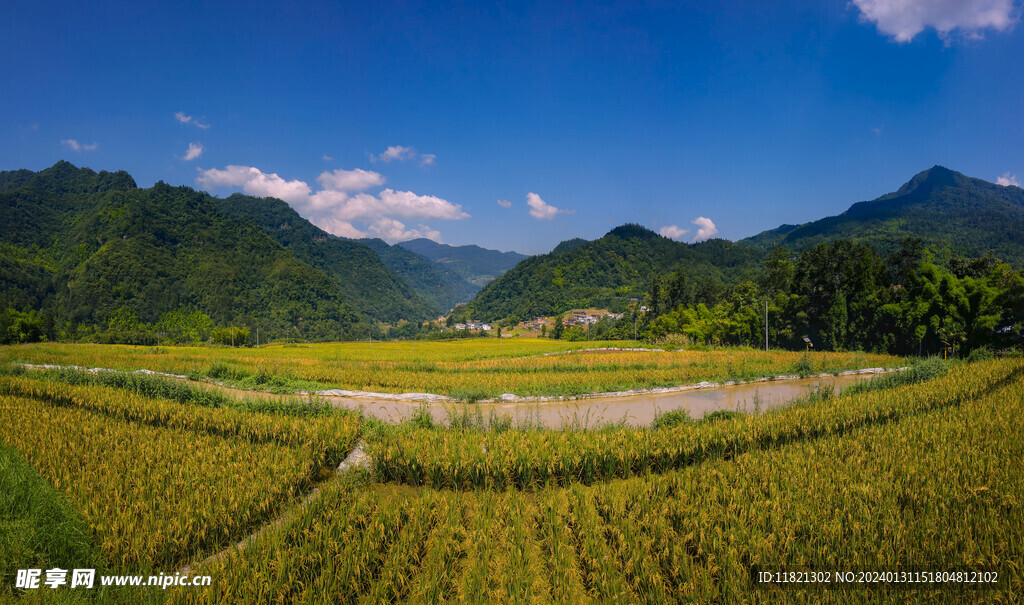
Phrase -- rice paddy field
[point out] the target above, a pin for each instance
(467, 370)
(918, 479)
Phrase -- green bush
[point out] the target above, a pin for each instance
(664, 420)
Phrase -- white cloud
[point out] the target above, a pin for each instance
(391, 230)
(255, 182)
(541, 210)
(673, 231)
(350, 180)
(328, 158)
(505, 203)
(904, 19)
(395, 152)
(405, 204)
(184, 119)
(1008, 180)
(339, 227)
(342, 201)
(401, 154)
(878, 130)
(705, 229)
(194, 151)
(74, 145)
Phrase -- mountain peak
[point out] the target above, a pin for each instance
(64, 177)
(932, 179)
(632, 231)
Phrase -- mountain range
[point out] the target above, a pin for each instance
(476, 265)
(81, 245)
(950, 212)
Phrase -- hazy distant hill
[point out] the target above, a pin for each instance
(364, 280)
(949, 211)
(474, 264)
(80, 245)
(436, 282)
(603, 273)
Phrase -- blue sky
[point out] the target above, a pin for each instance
(404, 119)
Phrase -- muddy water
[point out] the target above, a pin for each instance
(634, 410)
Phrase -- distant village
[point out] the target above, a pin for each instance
(575, 317)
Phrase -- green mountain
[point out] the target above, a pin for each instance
(366, 283)
(474, 264)
(91, 248)
(950, 212)
(436, 282)
(604, 273)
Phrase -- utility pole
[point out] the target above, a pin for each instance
(766, 324)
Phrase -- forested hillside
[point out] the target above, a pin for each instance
(605, 273)
(435, 282)
(97, 257)
(364, 280)
(950, 212)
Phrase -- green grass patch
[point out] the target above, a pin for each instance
(39, 529)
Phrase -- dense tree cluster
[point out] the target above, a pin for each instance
(845, 296)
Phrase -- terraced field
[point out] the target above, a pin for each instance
(915, 478)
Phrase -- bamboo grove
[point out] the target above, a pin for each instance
(846, 296)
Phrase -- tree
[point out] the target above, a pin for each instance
(834, 332)
(17, 327)
(556, 333)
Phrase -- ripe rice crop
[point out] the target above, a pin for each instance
(329, 438)
(160, 483)
(476, 369)
(938, 489)
(531, 459)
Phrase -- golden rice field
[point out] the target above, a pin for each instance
(923, 477)
(474, 369)
(467, 459)
(160, 483)
(934, 487)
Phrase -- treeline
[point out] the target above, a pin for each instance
(845, 296)
(123, 326)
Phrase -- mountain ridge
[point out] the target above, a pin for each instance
(605, 273)
(86, 248)
(473, 263)
(366, 282)
(948, 210)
